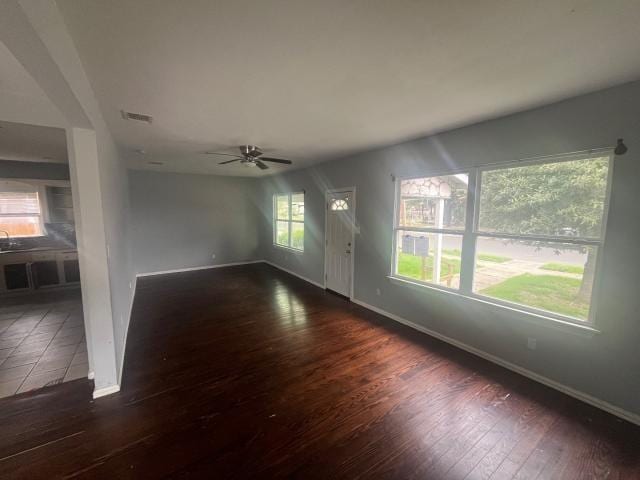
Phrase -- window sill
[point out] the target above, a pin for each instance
(538, 318)
(289, 249)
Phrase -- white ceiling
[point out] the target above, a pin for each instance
(32, 143)
(310, 80)
(21, 99)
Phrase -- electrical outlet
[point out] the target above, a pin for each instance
(378, 291)
(531, 343)
(213, 256)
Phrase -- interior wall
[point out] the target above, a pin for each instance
(34, 170)
(37, 36)
(181, 221)
(603, 365)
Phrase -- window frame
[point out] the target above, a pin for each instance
(460, 232)
(470, 234)
(290, 221)
(41, 206)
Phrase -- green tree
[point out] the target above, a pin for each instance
(560, 199)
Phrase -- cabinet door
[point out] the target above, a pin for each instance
(45, 273)
(16, 276)
(71, 271)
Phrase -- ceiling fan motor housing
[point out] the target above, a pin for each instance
(250, 150)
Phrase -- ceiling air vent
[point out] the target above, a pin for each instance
(140, 117)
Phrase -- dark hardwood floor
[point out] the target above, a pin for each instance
(247, 372)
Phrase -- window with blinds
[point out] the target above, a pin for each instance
(20, 214)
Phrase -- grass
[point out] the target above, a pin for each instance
(548, 292)
(410, 266)
(297, 240)
(563, 267)
(487, 257)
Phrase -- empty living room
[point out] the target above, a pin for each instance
(357, 239)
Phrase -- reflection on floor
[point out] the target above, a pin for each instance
(42, 341)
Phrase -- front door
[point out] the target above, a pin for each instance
(340, 221)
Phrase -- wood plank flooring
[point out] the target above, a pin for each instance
(247, 372)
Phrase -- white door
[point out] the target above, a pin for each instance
(340, 220)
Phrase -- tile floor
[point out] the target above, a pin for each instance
(42, 341)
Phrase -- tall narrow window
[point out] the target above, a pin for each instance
(532, 241)
(20, 213)
(429, 227)
(288, 220)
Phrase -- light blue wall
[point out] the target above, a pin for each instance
(606, 365)
(180, 221)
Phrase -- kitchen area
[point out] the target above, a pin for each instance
(42, 336)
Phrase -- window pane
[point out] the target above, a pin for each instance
(297, 206)
(19, 202)
(282, 233)
(338, 204)
(21, 226)
(282, 207)
(435, 202)
(561, 198)
(421, 255)
(557, 277)
(297, 235)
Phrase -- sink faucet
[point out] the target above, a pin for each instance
(10, 242)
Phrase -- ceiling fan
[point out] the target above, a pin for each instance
(251, 156)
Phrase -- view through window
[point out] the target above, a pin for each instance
(20, 214)
(534, 242)
(288, 228)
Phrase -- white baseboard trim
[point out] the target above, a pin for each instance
(294, 274)
(191, 269)
(102, 392)
(596, 402)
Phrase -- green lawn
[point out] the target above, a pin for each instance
(563, 267)
(548, 292)
(410, 265)
(487, 257)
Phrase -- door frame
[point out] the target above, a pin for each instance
(354, 230)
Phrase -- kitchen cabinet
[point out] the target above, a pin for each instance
(38, 269)
(45, 273)
(16, 276)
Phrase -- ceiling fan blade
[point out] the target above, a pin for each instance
(230, 161)
(225, 154)
(261, 165)
(254, 153)
(277, 160)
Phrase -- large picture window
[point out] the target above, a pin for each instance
(20, 211)
(288, 220)
(525, 235)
